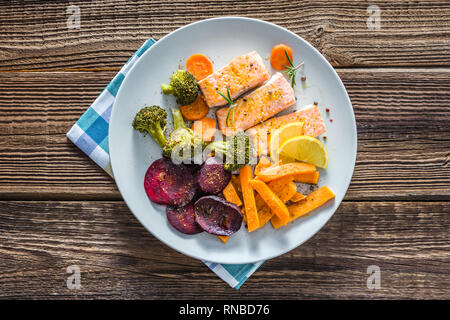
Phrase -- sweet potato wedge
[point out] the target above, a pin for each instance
(289, 169)
(264, 215)
(263, 163)
(311, 178)
(311, 202)
(284, 188)
(251, 213)
(297, 197)
(224, 238)
(231, 195)
(236, 183)
(271, 199)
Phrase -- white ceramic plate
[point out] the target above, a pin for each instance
(222, 39)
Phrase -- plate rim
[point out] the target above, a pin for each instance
(323, 59)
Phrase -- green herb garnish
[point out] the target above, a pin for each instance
(231, 103)
(291, 70)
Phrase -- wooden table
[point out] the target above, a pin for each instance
(57, 208)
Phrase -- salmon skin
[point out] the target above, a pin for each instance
(240, 75)
(258, 106)
(310, 115)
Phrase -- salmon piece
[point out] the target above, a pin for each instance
(240, 75)
(310, 115)
(263, 103)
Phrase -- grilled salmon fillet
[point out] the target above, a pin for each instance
(310, 115)
(240, 75)
(258, 106)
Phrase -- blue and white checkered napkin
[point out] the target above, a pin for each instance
(90, 134)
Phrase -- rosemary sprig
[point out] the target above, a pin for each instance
(231, 103)
(291, 70)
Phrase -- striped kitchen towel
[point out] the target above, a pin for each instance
(90, 134)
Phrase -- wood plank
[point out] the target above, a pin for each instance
(34, 35)
(37, 109)
(402, 116)
(118, 258)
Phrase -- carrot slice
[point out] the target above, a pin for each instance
(272, 201)
(278, 171)
(224, 238)
(231, 195)
(196, 110)
(278, 58)
(199, 66)
(245, 175)
(311, 178)
(297, 197)
(263, 163)
(311, 202)
(205, 128)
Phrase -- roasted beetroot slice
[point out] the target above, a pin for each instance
(217, 216)
(212, 177)
(183, 219)
(193, 167)
(168, 183)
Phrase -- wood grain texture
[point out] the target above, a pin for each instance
(118, 258)
(402, 115)
(34, 34)
(396, 214)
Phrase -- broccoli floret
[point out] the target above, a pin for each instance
(183, 86)
(238, 151)
(152, 120)
(183, 145)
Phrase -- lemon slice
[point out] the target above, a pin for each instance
(279, 136)
(306, 149)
